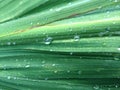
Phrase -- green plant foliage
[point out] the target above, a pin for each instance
(59, 44)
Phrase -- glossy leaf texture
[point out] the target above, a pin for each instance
(60, 44)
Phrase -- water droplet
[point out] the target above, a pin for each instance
(27, 66)
(8, 77)
(58, 9)
(51, 9)
(69, 3)
(119, 49)
(53, 65)
(96, 87)
(79, 72)
(108, 12)
(76, 37)
(114, 22)
(71, 53)
(51, 50)
(16, 60)
(14, 77)
(8, 43)
(116, 58)
(38, 23)
(43, 65)
(99, 7)
(68, 71)
(21, 3)
(48, 40)
(115, 0)
(70, 29)
(31, 23)
(46, 78)
(43, 61)
(14, 43)
(116, 86)
(55, 71)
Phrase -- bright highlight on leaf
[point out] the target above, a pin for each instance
(59, 44)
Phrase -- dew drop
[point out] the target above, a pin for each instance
(48, 40)
(14, 77)
(116, 58)
(55, 71)
(43, 61)
(8, 43)
(68, 71)
(119, 49)
(115, 0)
(38, 23)
(8, 77)
(79, 72)
(58, 9)
(71, 53)
(116, 86)
(31, 23)
(69, 3)
(46, 78)
(114, 22)
(53, 65)
(70, 29)
(14, 43)
(96, 87)
(76, 37)
(51, 9)
(27, 66)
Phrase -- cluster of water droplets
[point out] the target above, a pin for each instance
(11, 43)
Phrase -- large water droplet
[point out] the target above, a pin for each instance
(76, 37)
(48, 40)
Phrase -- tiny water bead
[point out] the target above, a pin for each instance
(68, 71)
(71, 53)
(51, 9)
(14, 43)
(76, 38)
(48, 40)
(58, 9)
(43, 62)
(115, 0)
(8, 77)
(96, 87)
(8, 43)
(27, 66)
(119, 49)
(14, 78)
(79, 72)
(53, 65)
(55, 71)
